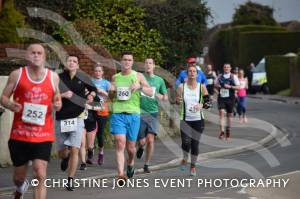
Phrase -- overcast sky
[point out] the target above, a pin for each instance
(284, 10)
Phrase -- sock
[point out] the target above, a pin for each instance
(193, 160)
(185, 155)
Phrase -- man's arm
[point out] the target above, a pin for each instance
(57, 104)
(8, 91)
(217, 83)
(236, 83)
(163, 92)
(144, 86)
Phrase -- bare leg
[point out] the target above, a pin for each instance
(150, 147)
(73, 162)
(40, 173)
(120, 149)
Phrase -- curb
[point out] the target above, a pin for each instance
(176, 162)
(275, 98)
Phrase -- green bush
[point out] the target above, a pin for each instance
(10, 20)
(122, 27)
(253, 46)
(225, 44)
(278, 75)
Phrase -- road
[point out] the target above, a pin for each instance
(248, 165)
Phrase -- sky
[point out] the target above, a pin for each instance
(284, 10)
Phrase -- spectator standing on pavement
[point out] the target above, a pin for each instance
(150, 112)
(191, 61)
(69, 124)
(249, 75)
(193, 97)
(35, 95)
(226, 83)
(242, 93)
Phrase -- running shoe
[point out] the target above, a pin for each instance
(100, 158)
(69, 185)
(193, 171)
(139, 153)
(227, 134)
(90, 156)
(221, 136)
(90, 153)
(146, 169)
(183, 165)
(130, 171)
(64, 163)
(83, 167)
(121, 180)
(23, 189)
(89, 161)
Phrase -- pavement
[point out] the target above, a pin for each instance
(283, 99)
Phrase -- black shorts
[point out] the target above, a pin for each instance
(210, 89)
(226, 104)
(21, 152)
(90, 125)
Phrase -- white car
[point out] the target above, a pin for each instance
(259, 78)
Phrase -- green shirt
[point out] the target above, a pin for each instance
(150, 104)
(125, 101)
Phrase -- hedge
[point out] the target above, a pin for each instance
(253, 46)
(224, 47)
(278, 75)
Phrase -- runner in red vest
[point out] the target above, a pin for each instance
(35, 95)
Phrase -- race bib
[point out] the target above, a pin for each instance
(192, 109)
(123, 93)
(85, 114)
(153, 96)
(34, 113)
(210, 81)
(224, 92)
(68, 125)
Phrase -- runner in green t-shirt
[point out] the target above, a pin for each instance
(149, 109)
(125, 120)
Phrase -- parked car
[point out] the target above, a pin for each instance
(259, 78)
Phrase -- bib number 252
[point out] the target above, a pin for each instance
(34, 113)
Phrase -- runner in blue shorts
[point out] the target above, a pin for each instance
(125, 120)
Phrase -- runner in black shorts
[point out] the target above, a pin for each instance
(227, 83)
(210, 77)
(89, 134)
(31, 137)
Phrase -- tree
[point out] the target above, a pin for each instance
(253, 13)
(181, 24)
(10, 20)
(122, 25)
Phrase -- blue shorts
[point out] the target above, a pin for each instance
(149, 124)
(127, 124)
